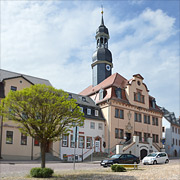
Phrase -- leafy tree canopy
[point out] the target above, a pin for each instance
(43, 112)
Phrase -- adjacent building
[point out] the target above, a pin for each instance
(171, 133)
(16, 146)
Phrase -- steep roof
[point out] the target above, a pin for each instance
(114, 80)
(4, 74)
(170, 116)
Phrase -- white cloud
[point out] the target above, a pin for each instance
(51, 40)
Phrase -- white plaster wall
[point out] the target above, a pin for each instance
(84, 131)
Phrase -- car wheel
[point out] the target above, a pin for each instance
(167, 160)
(105, 166)
(155, 162)
(144, 163)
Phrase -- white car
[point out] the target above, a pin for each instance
(156, 158)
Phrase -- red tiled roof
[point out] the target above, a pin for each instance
(114, 80)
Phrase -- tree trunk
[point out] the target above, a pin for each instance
(43, 155)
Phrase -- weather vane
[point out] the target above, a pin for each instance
(102, 9)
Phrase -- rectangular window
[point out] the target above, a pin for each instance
(138, 96)
(65, 141)
(176, 130)
(137, 117)
(176, 142)
(13, 88)
(116, 113)
(121, 114)
(100, 126)
(96, 113)
(139, 134)
(88, 111)
(92, 125)
(116, 133)
(23, 139)
(145, 119)
(146, 136)
(179, 142)
(81, 141)
(72, 142)
(157, 122)
(9, 137)
(153, 121)
(173, 140)
(172, 129)
(119, 133)
(148, 119)
(88, 142)
(155, 138)
(36, 142)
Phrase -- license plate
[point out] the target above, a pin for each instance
(103, 163)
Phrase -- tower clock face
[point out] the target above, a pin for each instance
(108, 67)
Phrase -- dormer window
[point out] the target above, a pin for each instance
(84, 99)
(101, 94)
(138, 96)
(118, 93)
(88, 111)
(154, 103)
(96, 113)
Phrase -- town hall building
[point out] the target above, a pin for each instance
(133, 120)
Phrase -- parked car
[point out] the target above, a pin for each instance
(120, 159)
(156, 158)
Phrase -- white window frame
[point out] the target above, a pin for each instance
(100, 126)
(92, 125)
(96, 113)
(88, 111)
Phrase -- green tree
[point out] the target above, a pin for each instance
(43, 112)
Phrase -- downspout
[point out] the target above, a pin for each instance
(1, 137)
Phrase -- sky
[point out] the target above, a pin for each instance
(55, 40)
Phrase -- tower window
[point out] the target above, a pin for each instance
(101, 40)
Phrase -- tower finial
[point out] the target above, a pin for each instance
(102, 20)
(102, 9)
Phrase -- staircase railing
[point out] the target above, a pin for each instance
(127, 142)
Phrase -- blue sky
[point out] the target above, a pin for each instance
(55, 40)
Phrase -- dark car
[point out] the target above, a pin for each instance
(120, 159)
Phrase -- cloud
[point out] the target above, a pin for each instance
(55, 40)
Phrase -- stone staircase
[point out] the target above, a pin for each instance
(50, 157)
(97, 156)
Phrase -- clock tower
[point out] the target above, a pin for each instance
(102, 57)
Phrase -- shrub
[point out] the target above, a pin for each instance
(41, 172)
(118, 168)
(113, 167)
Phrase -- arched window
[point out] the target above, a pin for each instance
(101, 40)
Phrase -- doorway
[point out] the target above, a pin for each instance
(128, 136)
(97, 146)
(143, 153)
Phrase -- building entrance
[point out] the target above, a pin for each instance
(128, 136)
